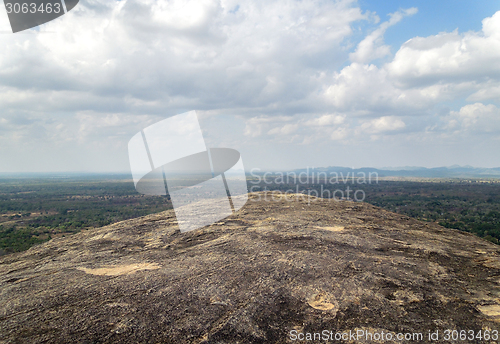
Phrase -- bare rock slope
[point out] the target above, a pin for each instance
(271, 268)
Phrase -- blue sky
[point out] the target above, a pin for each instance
(290, 84)
(432, 17)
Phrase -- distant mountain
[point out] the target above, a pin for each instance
(454, 171)
(403, 168)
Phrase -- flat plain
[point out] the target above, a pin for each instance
(34, 210)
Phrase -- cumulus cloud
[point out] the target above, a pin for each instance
(424, 72)
(287, 129)
(383, 124)
(150, 55)
(372, 47)
(324, 120)
(107, 69)
(256, 126)
(301, 129)
(476, 117)
(450, 57)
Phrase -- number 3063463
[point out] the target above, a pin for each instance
(33, 7)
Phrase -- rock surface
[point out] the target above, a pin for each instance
(273, 267)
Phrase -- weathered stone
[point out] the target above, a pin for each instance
(275, 266)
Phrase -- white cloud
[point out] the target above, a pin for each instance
(150, 55)
(300, 129)
(339, 134)
(256, 126)
(111, 68)
(424, 72)
(488, 90)
(450, 57)
(326, 120)
(287, 129)
(383, 124)
(360, 87)
(476, 117)
(372, 47)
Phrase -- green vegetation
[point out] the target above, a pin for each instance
(15, 240)
(35, 210)
(469, 206)
(472, 206)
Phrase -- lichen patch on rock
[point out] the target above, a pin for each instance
(491, 311)
(332, 228)
(321, 301)
(120, 269)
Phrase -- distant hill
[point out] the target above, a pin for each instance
(454, 171)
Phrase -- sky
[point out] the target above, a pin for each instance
(289, 84)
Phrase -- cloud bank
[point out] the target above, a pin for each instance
(292, 75)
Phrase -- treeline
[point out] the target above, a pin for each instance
(468, 206)
(33, 211)
(15, 240)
